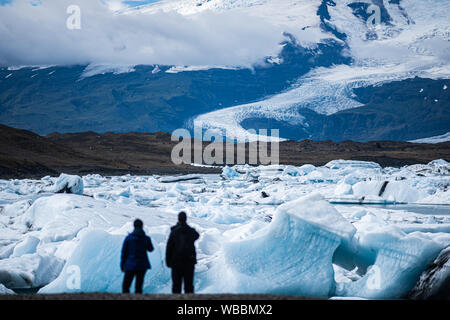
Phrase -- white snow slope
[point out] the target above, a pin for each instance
(308, 235)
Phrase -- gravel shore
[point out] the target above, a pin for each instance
(113, 296)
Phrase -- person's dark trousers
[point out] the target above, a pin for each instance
(185, 273)
(128, 279)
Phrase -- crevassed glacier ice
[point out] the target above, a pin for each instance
(69, 184)
(258, 229)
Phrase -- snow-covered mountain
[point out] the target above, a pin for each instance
(299, 239)
(296, 17)
(412, 40)
(336, 60)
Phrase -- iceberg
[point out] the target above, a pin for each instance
(61, 217)
(377, 192)
(29, 271)
(343, 164)
(5, 290)
(265, 229)
(294, 254)
(94, 266)
(229, 173)
(69, 184)
(301, 171)
(398, 265)
(291, 171)
(28, 245)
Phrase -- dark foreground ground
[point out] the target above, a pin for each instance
(112, 296)
(24, 154)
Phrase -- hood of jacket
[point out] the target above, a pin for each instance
(138, 232)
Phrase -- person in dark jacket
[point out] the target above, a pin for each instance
(134, 260)
(181, 255)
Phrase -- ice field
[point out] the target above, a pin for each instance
(347, 229)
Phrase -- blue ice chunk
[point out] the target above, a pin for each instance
(230, 173)
(294, 254)
(398, 265)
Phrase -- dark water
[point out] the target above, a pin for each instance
(27, 290)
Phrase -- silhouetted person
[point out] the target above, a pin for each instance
(134, 260)
(181, 255)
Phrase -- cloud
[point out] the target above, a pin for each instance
(37, 35)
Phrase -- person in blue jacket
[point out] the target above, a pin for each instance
(134, 260)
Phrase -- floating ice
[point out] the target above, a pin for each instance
(386, 191)
(399, 263)
(69, 184)
(293, 255)
(292, 171)
(343, 189)
(229, 173)
(94, 267)
(379, 192)
(266, 229)
(5, 290)
(341, 164)
(434, 282)
(29, 270)
(181, 178)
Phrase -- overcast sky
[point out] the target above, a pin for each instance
(34, 32)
